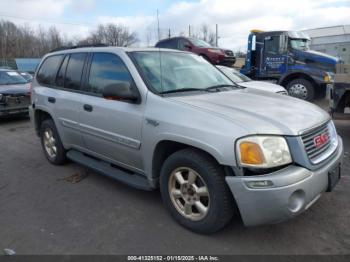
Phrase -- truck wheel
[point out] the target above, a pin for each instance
(51, 143)
(301, 88)
(194, 191)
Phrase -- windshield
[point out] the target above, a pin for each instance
(299, 44)
(11, 78)
(199, 42)
(26, 76)
(171, 71)
(234, 75)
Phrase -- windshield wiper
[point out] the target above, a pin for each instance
(217, 87)
(186, 89)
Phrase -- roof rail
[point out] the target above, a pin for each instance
(77, 46)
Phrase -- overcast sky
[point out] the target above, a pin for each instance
(235, 18)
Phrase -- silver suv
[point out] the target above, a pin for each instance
(164, 118)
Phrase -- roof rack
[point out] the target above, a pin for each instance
(76, 46)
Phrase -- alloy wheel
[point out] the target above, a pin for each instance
(189, 193)
(50, 143)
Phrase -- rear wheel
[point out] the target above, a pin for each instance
(51, 143)
(194, 190)
(301, 88)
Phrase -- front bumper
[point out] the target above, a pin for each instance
(293, 191)
(4, 111)
(227, 61)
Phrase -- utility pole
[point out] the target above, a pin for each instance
(216, 35)
(169, 35)
(158, 25)
(189, 30)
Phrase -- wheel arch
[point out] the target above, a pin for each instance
(164, 148)
(284, 80)
(40, 116)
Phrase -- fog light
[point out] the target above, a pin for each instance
(296, 201)
(259, 184)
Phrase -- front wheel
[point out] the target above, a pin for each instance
(194, 190)
(301, 88)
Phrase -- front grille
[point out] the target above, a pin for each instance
(316, 152)
(228, 52)
(13, 101)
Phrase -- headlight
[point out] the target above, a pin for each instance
(333, 134)
(328, 78)
(217, 51)
(263, 151)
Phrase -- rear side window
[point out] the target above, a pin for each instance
(172, 44)
(74, 71)
(107, 69)
(61, 72)
(48, 70)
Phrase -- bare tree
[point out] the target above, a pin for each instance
(111, 34)
(206, 34)
(23, 41)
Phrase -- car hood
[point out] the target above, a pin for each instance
(317, 56)
(259, 112)
(15, 89)
(265, 86)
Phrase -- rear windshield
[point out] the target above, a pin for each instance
(11, 78)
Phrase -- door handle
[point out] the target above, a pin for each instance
(51, 100)
(88, 108)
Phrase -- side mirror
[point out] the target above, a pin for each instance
(188, 46)
(119, 91)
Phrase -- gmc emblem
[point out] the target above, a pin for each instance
(320, 140)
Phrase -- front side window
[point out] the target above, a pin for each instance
(184, 44)
(48, 70)
(171, 71)
(74, 71)
(199, 42)
(272, 45)
(11, 78)
(107, 70)
(299, 44)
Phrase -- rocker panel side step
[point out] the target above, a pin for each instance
(105, 168)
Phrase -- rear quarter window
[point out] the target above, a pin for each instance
(48, 70)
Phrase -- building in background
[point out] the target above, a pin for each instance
(333, 40)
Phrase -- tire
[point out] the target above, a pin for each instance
(219, 202)
(58, 156)
(301, 88)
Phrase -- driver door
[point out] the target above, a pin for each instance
(275, 59)
(111, 129)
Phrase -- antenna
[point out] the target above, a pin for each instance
(158, 25)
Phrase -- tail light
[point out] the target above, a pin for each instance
(30, 89)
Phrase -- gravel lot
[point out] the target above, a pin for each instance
(43, 212)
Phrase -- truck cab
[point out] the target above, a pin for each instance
(285, 56)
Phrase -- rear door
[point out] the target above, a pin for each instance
(63, 74)
(111, 129)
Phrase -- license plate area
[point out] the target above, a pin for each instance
(333, 177)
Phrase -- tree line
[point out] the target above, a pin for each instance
(26, 42)
(23, 41)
